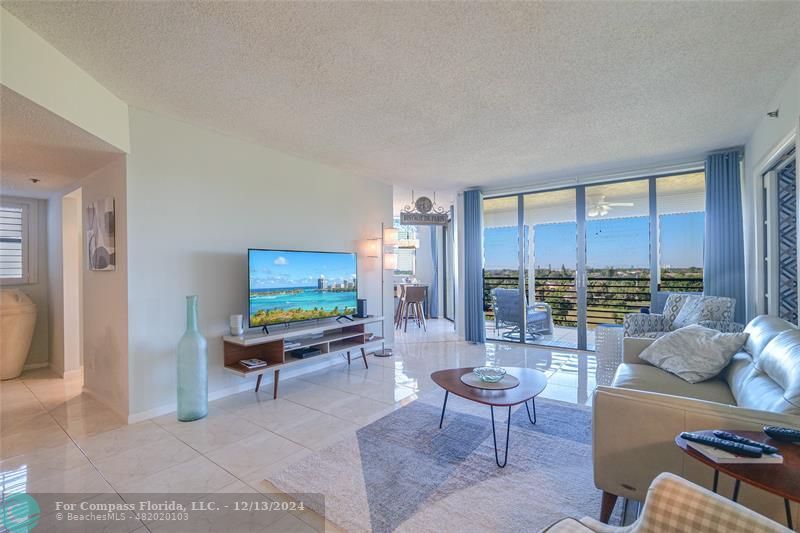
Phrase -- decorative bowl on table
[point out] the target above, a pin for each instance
(489, 374)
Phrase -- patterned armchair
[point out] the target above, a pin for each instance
(681, 309)
(674, 505)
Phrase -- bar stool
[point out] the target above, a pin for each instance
(398, 313)
(413, 299)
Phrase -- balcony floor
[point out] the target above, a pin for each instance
(562, 337)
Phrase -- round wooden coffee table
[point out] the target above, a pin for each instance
(780, 479)
(531, 384)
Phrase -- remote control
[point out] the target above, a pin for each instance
(735, 448)
(783, 434)
(766, 448)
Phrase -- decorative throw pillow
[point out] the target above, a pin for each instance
(672, 306)
(694, 353)
(690, 313)
(718, 308)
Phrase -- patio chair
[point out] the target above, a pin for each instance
(507, 308)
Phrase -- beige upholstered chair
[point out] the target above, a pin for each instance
(674, 505)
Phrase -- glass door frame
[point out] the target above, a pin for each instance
(581, 273)
(581, 276)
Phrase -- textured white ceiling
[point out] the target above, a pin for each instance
(35, 143)
(441, 95)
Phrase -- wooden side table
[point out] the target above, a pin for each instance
(780, 479)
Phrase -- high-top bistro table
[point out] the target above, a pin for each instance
(780, 479)
(531, 384)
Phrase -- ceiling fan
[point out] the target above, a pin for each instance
(601, 208)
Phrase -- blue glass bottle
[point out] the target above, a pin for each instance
(192, 368)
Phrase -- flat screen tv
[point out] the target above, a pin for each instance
(289, 286)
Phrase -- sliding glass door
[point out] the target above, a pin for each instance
(559, 263)
(551, 262)
(502, 295)
(617, 252)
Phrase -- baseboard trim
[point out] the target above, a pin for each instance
(248, 384)
(94, 396)
(34, 366)
(72, 373)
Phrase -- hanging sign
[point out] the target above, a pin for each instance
(423, 213)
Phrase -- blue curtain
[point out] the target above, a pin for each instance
(724, 240)
(434, 296)
(473, 267)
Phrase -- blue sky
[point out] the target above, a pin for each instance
(613, 242)
(271, 269)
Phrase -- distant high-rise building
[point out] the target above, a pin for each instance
(322, 283)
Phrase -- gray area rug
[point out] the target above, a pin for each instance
(403, 473)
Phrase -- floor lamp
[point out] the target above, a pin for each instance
(388, 240)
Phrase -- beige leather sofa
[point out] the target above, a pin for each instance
(636, 419)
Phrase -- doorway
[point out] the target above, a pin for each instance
(779, 198)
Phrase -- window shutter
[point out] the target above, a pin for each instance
(11, 236)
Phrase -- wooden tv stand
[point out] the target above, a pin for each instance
(330, 337)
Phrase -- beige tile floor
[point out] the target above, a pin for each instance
(54, 438)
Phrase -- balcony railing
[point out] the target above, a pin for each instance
(609, 299)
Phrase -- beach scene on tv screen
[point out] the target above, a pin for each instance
(291, 286)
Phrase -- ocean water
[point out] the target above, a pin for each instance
(308, 299)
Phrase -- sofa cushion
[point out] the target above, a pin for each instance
(694, 353)
(651, 379)
(762, 329)
(780, 360)
(763, 394)
(738, 373)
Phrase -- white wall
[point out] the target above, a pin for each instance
(55, 284)
(72, 253)
(196, 201)
(105, 298)
(768, 134)
(39, 353)
(424, 259)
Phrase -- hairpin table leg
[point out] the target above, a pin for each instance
(446, 393)
(533, 402)
(788, 514)
(494, 437)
